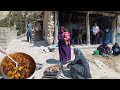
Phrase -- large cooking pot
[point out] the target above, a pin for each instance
(22, 56)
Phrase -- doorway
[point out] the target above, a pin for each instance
(39, 30)
(75, 22)
(105, 25)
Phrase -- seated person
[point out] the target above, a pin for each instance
(116, 49)
(79, 67)
(107, 50)
(100, 49)
(104, 49)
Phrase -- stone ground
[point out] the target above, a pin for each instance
(101, 67)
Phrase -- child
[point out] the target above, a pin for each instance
(66, 36)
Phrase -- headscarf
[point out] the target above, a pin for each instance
(77, 51)
(83, 61)
(60, 29)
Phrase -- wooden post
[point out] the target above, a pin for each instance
(56, 28)
(45, 25)
(88, 28)
(114, 29)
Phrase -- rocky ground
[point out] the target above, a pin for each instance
(101, 67)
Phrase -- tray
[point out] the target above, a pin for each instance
(52, 75)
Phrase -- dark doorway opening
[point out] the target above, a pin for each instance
(39, 30)
(75, 22)
(105, 25)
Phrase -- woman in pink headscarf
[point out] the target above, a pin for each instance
(64, 50)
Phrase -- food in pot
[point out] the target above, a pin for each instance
(53, 68)
(26, 66)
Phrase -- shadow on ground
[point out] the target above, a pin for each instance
(24, 40)
(52, 61)
(40, 43)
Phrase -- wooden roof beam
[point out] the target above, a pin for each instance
(102, 13)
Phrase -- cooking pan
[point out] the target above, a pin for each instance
(36, 66)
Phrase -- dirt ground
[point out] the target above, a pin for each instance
(103, 67)
(100, 67)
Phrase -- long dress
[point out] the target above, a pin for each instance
(64, 50)
(80, 68)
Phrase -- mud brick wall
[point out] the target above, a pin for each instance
(6, 35)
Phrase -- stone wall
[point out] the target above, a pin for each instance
(48, 26)
(6, 35)
(3, 14)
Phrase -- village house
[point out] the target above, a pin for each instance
(52, 20)
(47, 26)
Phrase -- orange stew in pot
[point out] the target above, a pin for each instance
(26, 66)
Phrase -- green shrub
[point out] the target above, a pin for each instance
(19, 18)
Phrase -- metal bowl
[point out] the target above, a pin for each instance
(23, 55)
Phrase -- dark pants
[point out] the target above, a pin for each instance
(29, 36)
(96, 38)
(116, 53)
(107, 38)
